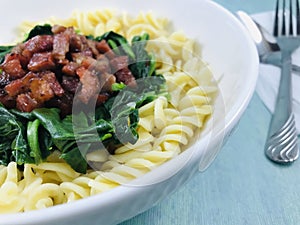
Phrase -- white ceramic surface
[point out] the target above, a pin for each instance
(233, 59)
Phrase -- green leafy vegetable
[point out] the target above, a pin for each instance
(118, 86)
(75, 159)
(13, 139)
(5, 50)
(62, 136)
(38, 140)
(45, 29)
(143, 65)
(117, 42)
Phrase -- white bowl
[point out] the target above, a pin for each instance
(233, 59)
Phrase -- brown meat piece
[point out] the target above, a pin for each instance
(92, 46)
(85, 48)
(40, 43)
(102, 98)
(47, 70)
(12, 66)
(55, 86)
(88, 63)
(79, 43)
(26, 103)
(15, 87)
(104, 48)
(106, 82)
(7, 101)
(64, 103)
(99, 66)
(41, 62)
(70, 68)
(90, 85)
(41, 86)
(78, 57)
(19, 86)
(56, 29)
(103, 65)
(70, 84)
(40, 90)
(60, 46)
(75, 43)
(18, 49)
(119, 62)
(125, 76)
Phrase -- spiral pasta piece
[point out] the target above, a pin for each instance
(77, 188)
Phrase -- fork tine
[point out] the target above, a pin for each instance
(283, 30)
(275, 29)
(291, 19)
(297, 17)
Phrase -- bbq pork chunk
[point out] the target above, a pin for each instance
(49, 70)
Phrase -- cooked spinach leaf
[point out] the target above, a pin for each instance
(142, 66)
(45, 29)
(33, 140)
(13, 141)
(4, 50)
(75, 159)
(62, 136)
(118, 43)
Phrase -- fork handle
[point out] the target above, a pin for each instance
(283, 107)
(281, 145)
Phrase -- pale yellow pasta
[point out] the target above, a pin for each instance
(166, 125)
(43, 196)
(77, 188)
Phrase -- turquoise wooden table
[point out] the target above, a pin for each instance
(241, 187)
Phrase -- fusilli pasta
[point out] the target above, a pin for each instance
(165, 126)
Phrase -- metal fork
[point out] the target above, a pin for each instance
(266, 44)
(281, 145)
